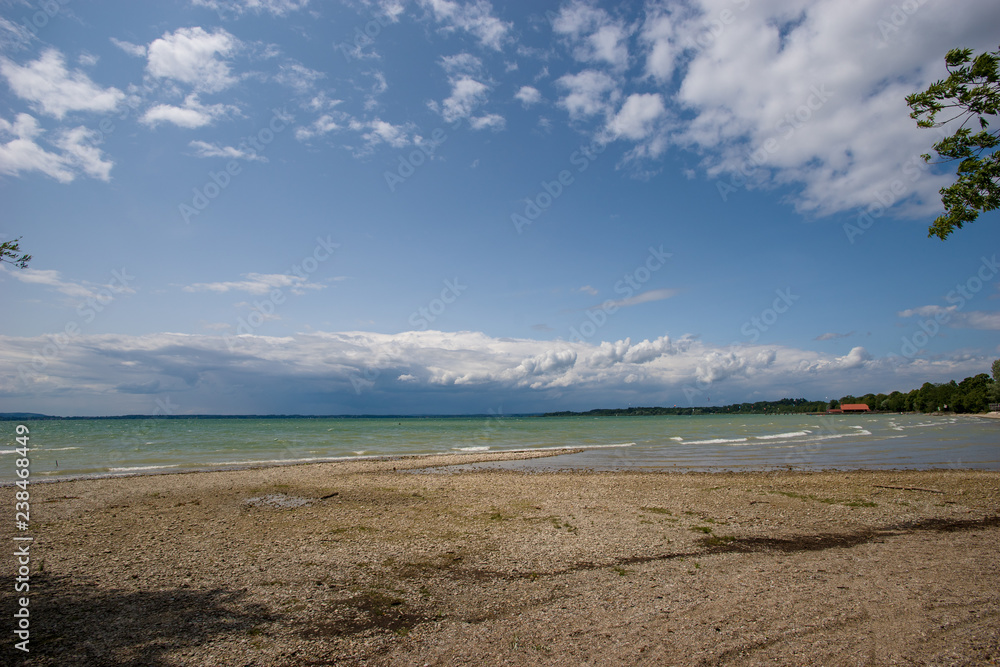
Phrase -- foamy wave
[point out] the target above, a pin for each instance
(716, 441)
(677, 439)
(60, 449)
(137, 468)
(778, 436)
(477, 448)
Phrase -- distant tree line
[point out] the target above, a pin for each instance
(971, 395)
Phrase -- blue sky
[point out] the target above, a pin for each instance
(445, 206)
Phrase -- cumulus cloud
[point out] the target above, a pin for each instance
(490, 121)
(78, 151)
(195, 57)
(596, 37)
(809, 95)
(528, 95)
(434, 371)
(54, 90)
(378, 131)
(588, 93)
(475, 18)
(466, 95)
(192, 114)
(319, 127)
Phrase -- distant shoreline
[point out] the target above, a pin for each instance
(707, 411)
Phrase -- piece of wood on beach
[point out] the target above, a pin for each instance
(907, 488)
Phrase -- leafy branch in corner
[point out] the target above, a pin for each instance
(970, 93)
(9, 253)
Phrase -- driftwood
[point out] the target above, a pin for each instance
(907, 488)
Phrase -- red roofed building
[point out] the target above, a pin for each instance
(855, 407)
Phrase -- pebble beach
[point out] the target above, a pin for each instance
(405, 561)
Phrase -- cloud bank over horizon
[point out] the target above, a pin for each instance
(427, 372)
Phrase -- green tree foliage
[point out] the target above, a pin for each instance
(995, 389)
(9, 253)
(969, 95)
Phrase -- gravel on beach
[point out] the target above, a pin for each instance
(401, 562)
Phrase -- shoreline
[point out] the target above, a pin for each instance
(505, 455)
(366, 562)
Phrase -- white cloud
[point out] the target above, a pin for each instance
(433, 371)
(77, 290)
(659, 35)
(257, 284)
(79, 149)
(528, 95)
(595, 36)
(952, 317)
(378, 131)
(815, 91)
(473, 17)
(298, 77)
(589, 92)
(192, 56)
(54, 90)
(637, 118)
(466, 95)
(322, 125)
(135, 50)
(643, 297)
(23, 153)
(928, 311)
(488, 122)
(192, 115)
(239, 7)
(980, 319)
(462, 63)
(205, 149)
(13, 36)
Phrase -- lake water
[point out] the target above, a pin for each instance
(76, 448)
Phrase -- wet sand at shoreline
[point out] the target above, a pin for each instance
(369, 563)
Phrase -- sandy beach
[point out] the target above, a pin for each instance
(403, 562)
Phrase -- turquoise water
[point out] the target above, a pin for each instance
(75, 448)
